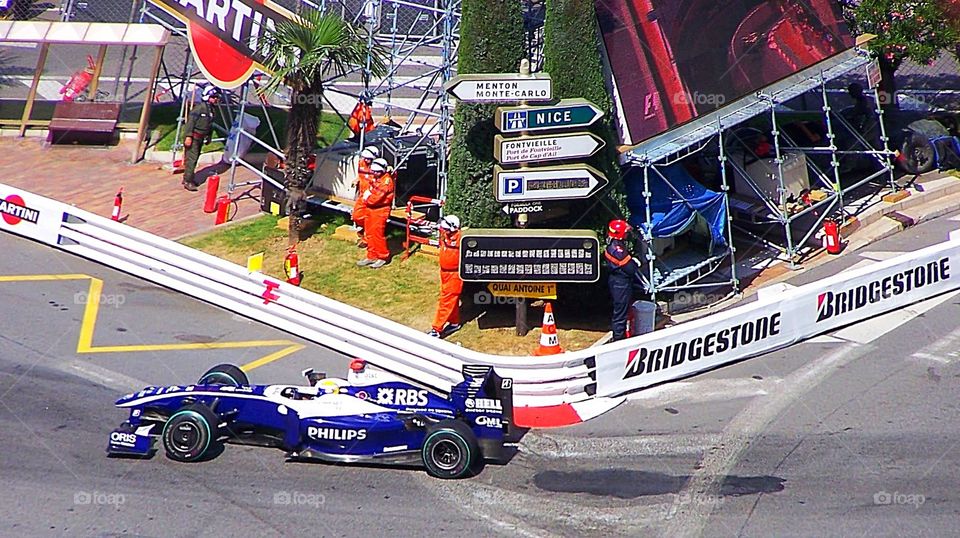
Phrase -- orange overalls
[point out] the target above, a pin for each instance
(448, 308)
(378, 199)
(359, 215)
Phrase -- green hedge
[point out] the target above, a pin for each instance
(572, 57)
(491, 41)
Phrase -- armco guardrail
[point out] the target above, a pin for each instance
(554, 390)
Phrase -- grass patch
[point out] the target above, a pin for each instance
(403, 291)
(164, 119)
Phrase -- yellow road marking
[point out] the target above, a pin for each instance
(272, 357)
(92, 309)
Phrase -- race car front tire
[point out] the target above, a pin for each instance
(190, 433)
(450, 450)
(224, 374)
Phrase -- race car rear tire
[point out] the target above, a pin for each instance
(450, 450)
(190, 433)
(224, 374)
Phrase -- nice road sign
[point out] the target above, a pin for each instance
(529, 149)
(565, 114)
(500, 87)
(547, 183)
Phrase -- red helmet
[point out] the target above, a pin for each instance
(617, 229)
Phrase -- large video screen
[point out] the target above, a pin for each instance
(674, 60)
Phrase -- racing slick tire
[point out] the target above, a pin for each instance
(450, 450)
(224, 374)
(190, 433)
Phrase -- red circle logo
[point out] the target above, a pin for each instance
(222, 64)
(16, 200)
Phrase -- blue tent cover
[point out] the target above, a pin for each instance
(676, 210)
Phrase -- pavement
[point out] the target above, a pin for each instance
(89, 178)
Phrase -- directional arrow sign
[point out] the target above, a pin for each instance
(566, 113)
(547, 183)
(522, 207)
(528, 149)
(500, 87)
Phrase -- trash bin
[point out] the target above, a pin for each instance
(641, 318)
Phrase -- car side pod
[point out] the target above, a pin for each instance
(128, 440)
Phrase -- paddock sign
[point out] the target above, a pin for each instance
(226, 35)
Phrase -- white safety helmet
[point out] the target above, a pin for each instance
(450, 223)
(370, 153)
(210, 92)
(379, 166)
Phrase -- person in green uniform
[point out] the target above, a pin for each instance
(198, 129)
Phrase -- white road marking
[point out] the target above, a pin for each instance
(703, 390)
(943, 351)
(690, 519)
(871, 329)
(102, 376)
(552, 446)
(880, 255)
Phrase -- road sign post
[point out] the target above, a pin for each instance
(564, 182)
(529, 149)
(500, 87)
(568, 113)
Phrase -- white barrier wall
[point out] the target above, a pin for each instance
(780, 317)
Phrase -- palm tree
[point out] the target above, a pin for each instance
(300, 53)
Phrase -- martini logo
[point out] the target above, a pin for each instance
(830, 303)
(226, 35)
(13, 209)
(650, 360)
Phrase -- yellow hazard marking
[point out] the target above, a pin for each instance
(255, 263)
(92, 308)
(276, 355)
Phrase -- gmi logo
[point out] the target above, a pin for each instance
(513, 185)
(14, 209)
(516, 120)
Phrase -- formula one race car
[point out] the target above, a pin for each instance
(370, 417)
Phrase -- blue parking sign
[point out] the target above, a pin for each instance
(513, 185)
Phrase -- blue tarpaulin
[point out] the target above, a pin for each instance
(676, 210)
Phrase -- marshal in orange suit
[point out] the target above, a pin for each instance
(447, 320)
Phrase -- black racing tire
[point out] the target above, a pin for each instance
(450, 450)
(224, 374)
(191, 433)
(918, 154)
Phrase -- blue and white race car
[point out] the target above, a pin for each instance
(370, 417)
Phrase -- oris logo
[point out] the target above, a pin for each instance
(335, 434)
(126, 439)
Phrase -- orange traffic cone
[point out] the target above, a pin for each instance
(549, 343)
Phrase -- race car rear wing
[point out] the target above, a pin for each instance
(494, 386)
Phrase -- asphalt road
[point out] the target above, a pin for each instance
(852, 434)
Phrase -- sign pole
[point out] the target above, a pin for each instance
(520, 319)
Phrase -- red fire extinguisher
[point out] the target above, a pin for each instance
(831, 236)
(117, 205)
(79, 81)
(291, 266)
